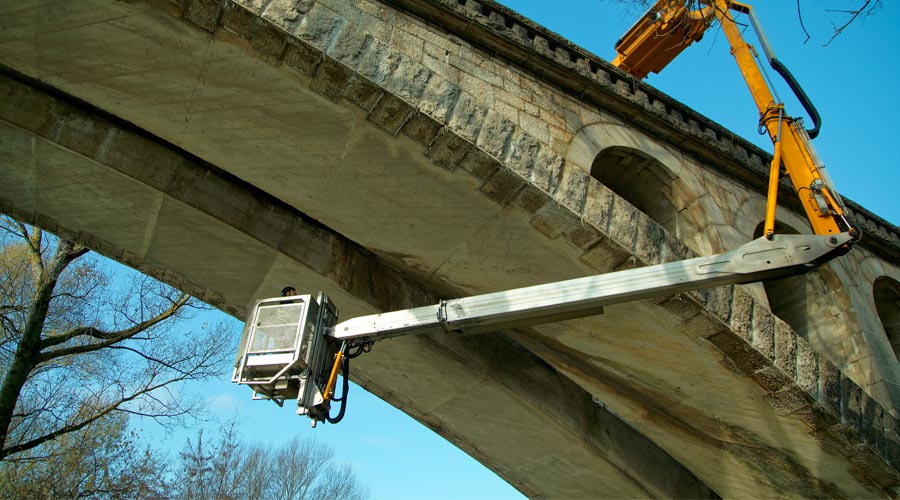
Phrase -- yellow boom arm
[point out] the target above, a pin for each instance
(659, 36)
(669, 27)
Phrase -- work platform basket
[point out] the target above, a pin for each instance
(282, 337)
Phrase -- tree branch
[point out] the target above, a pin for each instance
(802, 26)
(46, 391)
(151, 359)
(28, 351)
(853, 15)
(100, 413)
(27, 445)
(108, 338)
(35, 258)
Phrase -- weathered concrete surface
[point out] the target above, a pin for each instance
(198, 228)
(431, 183)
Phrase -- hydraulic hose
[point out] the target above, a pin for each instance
(801, 95)
(345, 372)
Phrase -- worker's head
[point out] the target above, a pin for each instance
(288, 291)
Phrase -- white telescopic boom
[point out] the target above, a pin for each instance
(784, 255)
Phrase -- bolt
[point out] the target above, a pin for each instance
(833, 239)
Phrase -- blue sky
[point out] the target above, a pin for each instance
(853, 84)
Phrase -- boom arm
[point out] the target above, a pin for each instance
(669, 27)
(296, 367)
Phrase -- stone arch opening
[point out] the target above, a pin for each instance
(640, 179)
(787, 296)
(809, 302)
(887, 304)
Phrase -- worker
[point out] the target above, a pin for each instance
(288, 291)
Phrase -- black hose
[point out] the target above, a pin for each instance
(360, 349)
(345, 372)
(801, 95)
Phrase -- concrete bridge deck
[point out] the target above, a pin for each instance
(356, 148)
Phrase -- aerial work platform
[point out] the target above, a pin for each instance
(294, 348)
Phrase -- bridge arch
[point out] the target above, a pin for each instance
(640, 179)
(810, 303)
(749, 216)
(878, 305)
(874, 290)
(639, 169)
(886, 294)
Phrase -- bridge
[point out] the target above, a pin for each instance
(395, 152)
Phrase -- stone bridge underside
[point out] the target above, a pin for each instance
(229, 154)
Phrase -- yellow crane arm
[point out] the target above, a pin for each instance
(669, 27)
(659, 36)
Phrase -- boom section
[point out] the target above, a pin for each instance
(669, 27)
(763, 258)
(659, 36)
(821, 202)
(294, 348)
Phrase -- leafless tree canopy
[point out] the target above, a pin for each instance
(103, 460)
(294, 470)
(76, 347)
(106, 461)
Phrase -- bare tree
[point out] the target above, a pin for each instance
(210, 472)
(76, 347)
(101, 461)
(295, 470)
